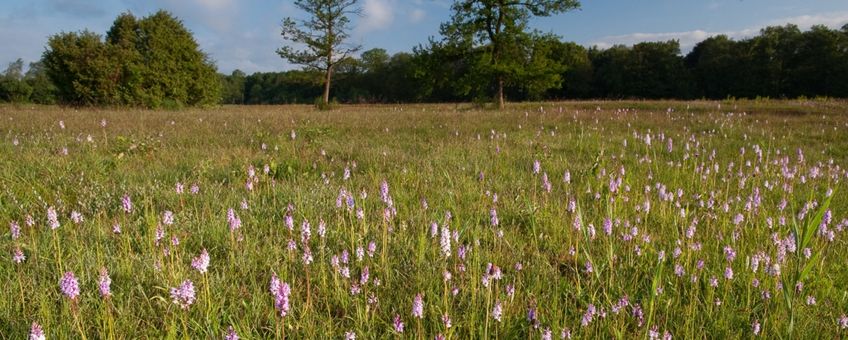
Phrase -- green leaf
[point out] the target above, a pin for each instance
(814, 223)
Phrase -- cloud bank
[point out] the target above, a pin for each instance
(376, 15)
(688, 39)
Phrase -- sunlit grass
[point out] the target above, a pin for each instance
(647, 208)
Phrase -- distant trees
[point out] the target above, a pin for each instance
(233, 87)
(43, 90)
(646, 70)
(13, 88)
(292, 87)
(781, 62)
(32, 86)
(151, 62)
(717, 66)
(323, 35)
(379, 77)
(576, 71)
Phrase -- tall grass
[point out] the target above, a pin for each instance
(641, 219)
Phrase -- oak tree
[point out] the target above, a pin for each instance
(499, 27)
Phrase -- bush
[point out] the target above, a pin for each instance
(151, 62)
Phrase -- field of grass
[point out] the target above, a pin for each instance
(547, 220)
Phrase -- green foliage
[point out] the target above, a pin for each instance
(820, 64)
(13, 88)
(780, 62)
(496, 33)
(442, 71)
(154, 62)
(646, 70)
(125, 36)
(577, 70)
(82, 68)
(151, 62)
(31, 87)
(174, 68)
(292, 87)
(541, 69)
(376, 81)
(718, 66)
(43, 90)
(233, 87)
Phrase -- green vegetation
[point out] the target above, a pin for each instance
(32, 86)
(149, 62)
(601, 219)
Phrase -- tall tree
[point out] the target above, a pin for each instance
(175, 71)
(500, 26)
(774, 54)
(374, 77)
(610, 71)
(124, 37)
(577, 73)
(324, 35)
(818, 70)
(720, 67)
(656, 70)
(437, 69)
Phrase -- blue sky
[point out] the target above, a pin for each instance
(243, 34)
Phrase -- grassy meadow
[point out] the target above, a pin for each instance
(544, 221)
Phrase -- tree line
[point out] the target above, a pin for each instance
(485, 53)
(780, 62)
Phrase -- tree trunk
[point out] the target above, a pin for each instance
(501, 104)
(327, 85)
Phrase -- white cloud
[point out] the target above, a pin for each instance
(416, 15)
(250, 51)
(688, 39)
(376, 15)
(217, 15)
(215, 4)
(832, 20)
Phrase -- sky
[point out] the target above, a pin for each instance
(244, 34)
